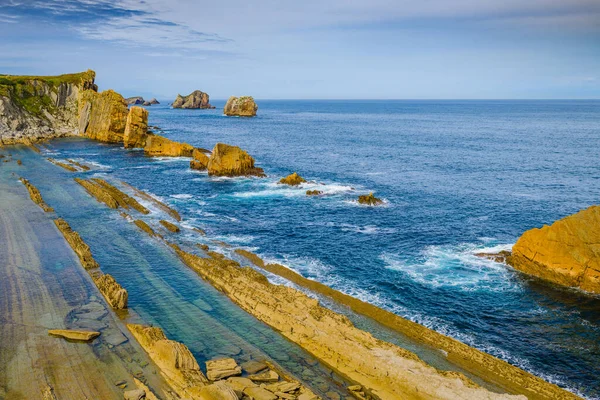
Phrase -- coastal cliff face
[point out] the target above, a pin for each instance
(34, 108)
(227, 160)
(240, 106)
(103, 116)
(136, 128)
(566, 252)
(196, 99)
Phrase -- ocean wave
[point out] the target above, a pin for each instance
(98, 165)
(366, 229)
(456, 266)
(273, 188)
(234, 238)
(182, 196)
(172, 159)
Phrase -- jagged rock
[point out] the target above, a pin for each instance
(369, 200)
(34, 108)
(135, 100)
(77, 244)
(147, 103)
(566, 252)
(227, 160)
(500, 257)
(122, 199)
(196, 99)
(153, 101)
(240, 106)
(97, 191)
(218, 391)
(258, 393)
(200, 161)
(114, 293)
(36, 196)
(136, 128)
(136, 394)
(172, 227)
(314, 192)
(103, 116)
(68, 167)
(161, 146)
(222, 368)
(292, 179)
(80, 336)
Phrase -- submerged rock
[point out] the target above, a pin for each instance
(227, 160)
(196, 99)
(222, 368)
(240, 106)
(266, 376)
(369, 200)
(136, 128)
(161, 146)
(77, 244)
(292, 179)
(80, 336)
(566, 252)
(172, 227)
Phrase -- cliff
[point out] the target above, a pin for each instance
(136, 128)
(34, 108)
(196, 99)
(103, 116)
(240, 106)
(566, 252)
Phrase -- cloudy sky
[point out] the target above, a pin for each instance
(337, 49)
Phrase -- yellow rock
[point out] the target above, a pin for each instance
(102, 116)
(36, 196)
(369, 200)
(240, 106)
(77, 244)
(200, 161)
(566, 252)
(161, 146)
(227, 160)
(136, 128)
(172, 227)
(114, 293)
(81, 336)
(292, 179)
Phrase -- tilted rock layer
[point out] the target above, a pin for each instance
(36, 108)
(161, 146)
(136, 128)
(103, 116)
(114, 293)
(196, 99)
(240, 106)
(566, 252)
(227, 160)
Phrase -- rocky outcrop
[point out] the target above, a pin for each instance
(222, 368)
(369, 200)
(144, 226)
(227, 160)
(78, 336)
(240, 106)
(36, 196)
(292, 180)
(200, 161)
(77, 244)
(174, 360)
(171, 227)
(566, 252)
(172, 212)
(314, 192)
(136, 128)
(34, 108)
(114, 293)
(68, 167)
(161, 146)
(135, 100)
(102, 116)
(388, 371)
(151, 102)
(196, 99)
(108, 194)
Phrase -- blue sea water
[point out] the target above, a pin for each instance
(457, 178)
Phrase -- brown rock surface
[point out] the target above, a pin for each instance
(227, 160)
(171, 227)
(292, 179)
(80, 336)
(97, 191)
(161, 146)
(77, 244)
(136, 128)
(102, 116)
(200, 161)
(369, 200)
(36, 196)
(314, 192)
(122, 199)
(222, 368)
(196, 99)
(566, 252)
(172, 212)
(240, 106)
(144, 226)
(114, 293)
(68, 167)
(218, 391)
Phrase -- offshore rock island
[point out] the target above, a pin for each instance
(57, 241)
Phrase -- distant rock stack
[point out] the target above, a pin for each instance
(196, 99)
(135, 100)
(240, 106)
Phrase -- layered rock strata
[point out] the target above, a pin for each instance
(566, 252)
(81, 249)
(244, 106)
(161, 146)
(68, 167)
(200, 160)
(226, 160)
(36, 196)
(111, 196)
(170, 226)
(76, 335)
(114, 293)
(102, 116)
(136, 128)
(388, 371)
(172, 212)
(196, 99)
(480, 363)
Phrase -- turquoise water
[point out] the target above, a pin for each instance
(456, 177)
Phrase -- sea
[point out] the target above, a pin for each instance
(456, 178)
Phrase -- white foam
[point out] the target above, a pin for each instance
(234, 238)
(183, 196)
(98, 165)
(274, 188)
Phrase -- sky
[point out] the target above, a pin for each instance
(312, 49)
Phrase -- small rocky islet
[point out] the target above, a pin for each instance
(380, 370)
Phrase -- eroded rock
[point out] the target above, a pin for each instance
(227, 160)
(36, 196)
(114, 293)
(222, 368)
(79, 336)
(77, 244)
(196, 99)
(171, 227)
(369, 200)
(103, 116)
(200, 161)
(244, 106)
(292, 179)
(136, 128)
(314, 192)
(161, 146)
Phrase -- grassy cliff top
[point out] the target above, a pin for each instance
(12, 80)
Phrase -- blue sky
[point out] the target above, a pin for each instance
(337, 49)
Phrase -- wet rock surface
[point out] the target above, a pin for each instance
(369, 200)
(36, 196)
(292, 180)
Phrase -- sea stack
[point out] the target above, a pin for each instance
(240, 107)
(136, 128)
(135, 100)
(227, 160)
(566, 252)
(196, 99)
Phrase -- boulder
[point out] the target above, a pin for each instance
(200, 161)
(566, 252)
(79, 336)
(252, 366)
(102, 116)
(240, 106)
(135, 100)
(161, 146)
(240, 384)
(196, 99)
(258, 393)
(137, 394)
(314, 192)
(222, 368)
(266, 376)
(218, 391)
(136, 128)
(227, 160)
(292, 179)
(369, 200)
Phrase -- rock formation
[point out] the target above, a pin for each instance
(292, 179)
(36, 108)
(172, 212)
(369, 200)
(314, 192)
(136, 128)
(161, 146)
(144, 226)
(114, 293)
(222, 368)
(68, 167)
(566, 252)
(151, 102)
(79, 336)
(102, 116)
(196, 99)
(200, 161)
(36, 196)
(108, 194)
(135, 100)
(227, 160)
(171, 227)
(77, 244)
(240, 106)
